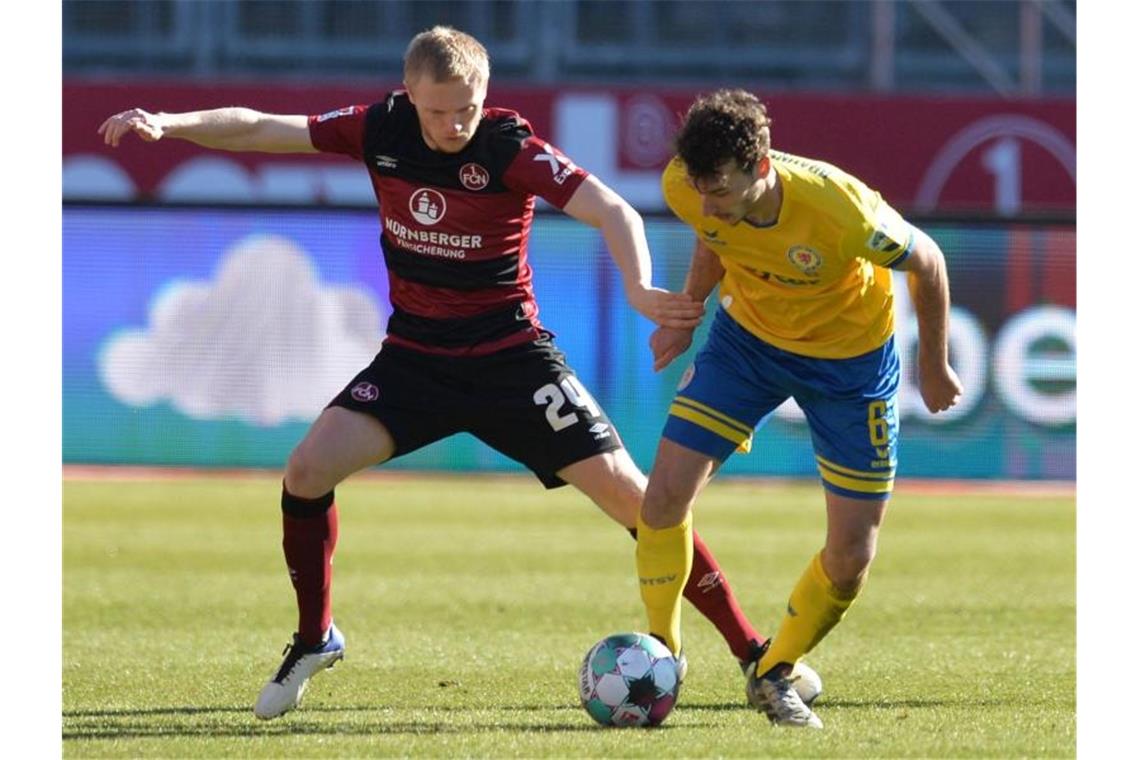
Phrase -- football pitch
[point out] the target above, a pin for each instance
(467, 604)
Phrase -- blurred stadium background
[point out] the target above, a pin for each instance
(214, 302)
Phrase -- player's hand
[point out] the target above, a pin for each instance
(665, 308)
(147, 126)
(667, 343)
(939, 385)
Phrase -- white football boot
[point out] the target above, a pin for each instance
(805, 680)
(284, 691)
(774, 694)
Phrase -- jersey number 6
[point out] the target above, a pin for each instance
(878, 424)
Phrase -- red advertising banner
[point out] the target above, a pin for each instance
(924, 154)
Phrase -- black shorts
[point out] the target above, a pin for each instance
(524, 402)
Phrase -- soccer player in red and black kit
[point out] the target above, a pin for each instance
(465, 351)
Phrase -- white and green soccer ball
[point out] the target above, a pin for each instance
(628, 679)
(806, 682)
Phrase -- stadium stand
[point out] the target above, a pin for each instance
(1013, 48)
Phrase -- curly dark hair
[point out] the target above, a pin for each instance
(726, 125)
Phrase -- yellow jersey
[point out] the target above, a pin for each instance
(816, 281)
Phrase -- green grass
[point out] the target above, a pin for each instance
(468, 603)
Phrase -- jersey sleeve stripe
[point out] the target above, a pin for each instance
(904, 254)
(708, 423)
(715, 414)
(830, 466)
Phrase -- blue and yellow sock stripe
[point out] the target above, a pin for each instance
(857, 482)
(714, 421)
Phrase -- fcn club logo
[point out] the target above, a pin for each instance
(474, 177)
(365, 392)
(427, 206)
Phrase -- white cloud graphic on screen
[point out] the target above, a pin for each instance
(264, 342)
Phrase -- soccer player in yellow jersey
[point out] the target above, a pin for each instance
(803, 254)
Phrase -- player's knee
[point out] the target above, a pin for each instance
(618, 499)
(848, 565)
(625, 503)
(303, 477)
(612, 481)
(666, 502)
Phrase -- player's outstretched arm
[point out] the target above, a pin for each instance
(236, 129)
(705, 271)
(930, 291)
(598, 206)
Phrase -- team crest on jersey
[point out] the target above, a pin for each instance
(805, 259)
(365, 392)
(427, 206)
(474, 177)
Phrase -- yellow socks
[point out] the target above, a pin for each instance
(814, 608)
(664, 560)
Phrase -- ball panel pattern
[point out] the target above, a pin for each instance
(628, 679)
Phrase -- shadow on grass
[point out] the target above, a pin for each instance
(120, 712)
(898, 704)
(128, 723)
(128, 712)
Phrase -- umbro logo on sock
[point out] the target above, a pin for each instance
(709, 581)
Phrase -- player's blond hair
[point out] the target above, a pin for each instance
(444, 53)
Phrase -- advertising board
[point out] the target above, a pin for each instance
(924, 154)
(212, 337)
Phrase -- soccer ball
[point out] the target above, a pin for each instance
(806, 682)
(628, 679)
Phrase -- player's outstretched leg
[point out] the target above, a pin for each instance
(340, 442)
(709, 591)
(310, 529)
(284, 691)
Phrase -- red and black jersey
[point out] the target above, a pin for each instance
(456, 226)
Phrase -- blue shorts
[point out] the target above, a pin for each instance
(738, 380)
